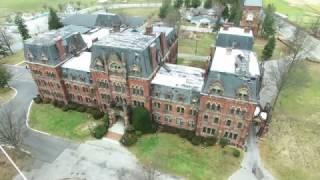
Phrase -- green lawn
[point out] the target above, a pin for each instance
(169, 153)
(11, 6)
(72, 125)
(199, 64)
(291, 149)
(279, 51)
(142, 12)
(13, 59)
(200, 44)
(5, 95)
(298, 11)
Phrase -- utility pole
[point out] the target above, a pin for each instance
(14, 165)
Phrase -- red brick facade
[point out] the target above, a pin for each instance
(254, 25)
(229, 118)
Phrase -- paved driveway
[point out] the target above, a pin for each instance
(43, 148)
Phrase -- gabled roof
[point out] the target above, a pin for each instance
(257, 3)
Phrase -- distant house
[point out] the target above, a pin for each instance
(252, 13)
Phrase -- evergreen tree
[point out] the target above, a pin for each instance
(22, 27)
(54, 21)
(178, 4)
(187, 3)
(225, 12)
(164, 8)
(141, 120)
(269, 48)
(208, 4)
(3, 50)
(268, 29)
(195, 3)
(236, 13)
(4, 76)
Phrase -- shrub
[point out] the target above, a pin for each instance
(73, 106)
(196, 140)
(138, 133)
(60, 104)
(97, 114)
(236, 153)
(130, 129)
(223, 142)
(190, 135)
(129, 139)
(46, 101)
(183, 133)
(168, 129)
(54, 103)
(37, 99)
(81, 109)
(65, 108)
(210, 141)
(141, 120)
(106, 120)
(99, 131)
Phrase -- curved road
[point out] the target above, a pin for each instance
(43, 148)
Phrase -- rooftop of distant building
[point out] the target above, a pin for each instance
(179, 76)
(236, 31)
(127, 40)
(257, 3)
(80, 63)
(232, 61)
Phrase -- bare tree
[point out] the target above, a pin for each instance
(6, 39)
(299, 47)
(10, 126)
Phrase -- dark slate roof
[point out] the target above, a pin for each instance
(93, 20)
(257, 3)
(133, 47)
(227, 40)
(231, 83)
(44, 45)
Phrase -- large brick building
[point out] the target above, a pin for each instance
(118, 68)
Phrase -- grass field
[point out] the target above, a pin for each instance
(13, 6)
(7, 171)
(202, 44)
(71, 124)
(169, 153)
(13, 59)
(142, 12)
(5, 95)
(291, 149)
(279, 51)
(301, 12)
(199, 64)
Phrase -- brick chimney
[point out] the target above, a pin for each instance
(60, 47)
(116, 28)
(225, 27)
(247, 29)
(149, 29)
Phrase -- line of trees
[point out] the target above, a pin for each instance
(268, 32)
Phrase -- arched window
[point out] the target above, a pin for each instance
(115, 63)
(216, 88)
(99, 63)
(243, 93)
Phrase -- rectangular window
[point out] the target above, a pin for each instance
(204, 129)
(228, 123)
(180, 110)
(193, 112)
(213, 131)
(235, 136)
(205, 117)
(168, 107)
(191, 123)
(216, 120)
(239, 125)
(179, 122)
(167, 119)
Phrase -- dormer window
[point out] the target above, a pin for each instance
(243, 93)
(216, 89)
(99, 63)
(115, 67)
(44, 57)
(135, 69)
